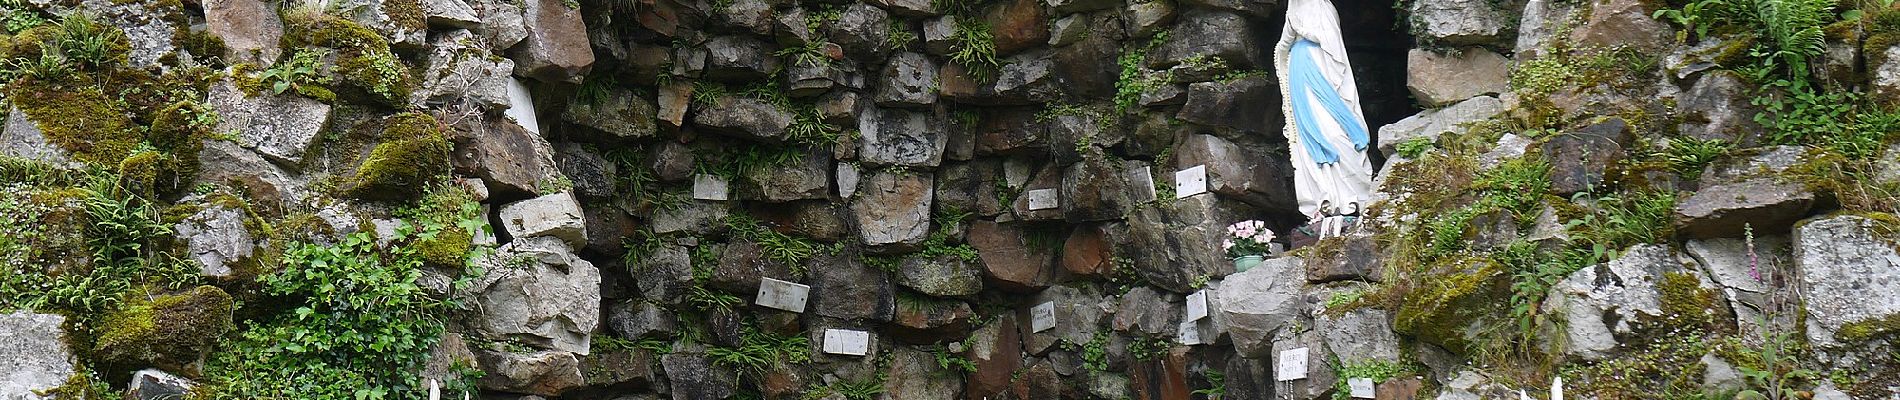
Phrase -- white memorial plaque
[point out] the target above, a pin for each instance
(1042, 317)
(783, 295)
(1041, 199)
(1292, 365)
(847, 342)
(1191, 181)
(1362, 388)
(709, 187)
(1190, 333)
(1197, 305)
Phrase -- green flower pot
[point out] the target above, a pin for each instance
(1244, 263)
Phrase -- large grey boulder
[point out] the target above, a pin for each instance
(901, 137)
(263, 178)
(1148, 312)
(693, 377)
(1080, 312)
(1260, 301)
(555, 49)
(915, 374)
(1226, 35)
(1766, 203)
(1236, 172)
(744, 117)
(513, 161)
(739, 58)
(1440, 79)
(1232, 105)
(216, 237)
(808, 178)
(1602, 303)
(665, 275)
(1429, 124)
(503, 24)
(1747, 280)
(543, 373)
(22, 138)
(281, 127)
(1627, 23)
(152, 384)
(537, 292)
(450, 14)
(556, 215)
(909, 80)
(1849, 274)
(1174, 245)
(693, 216)
(460, 68)
(861, 29)
(1462, 22)
(893, 209)
(944, 276)
(1541, 22)
(1719, 107)
(843, 287)
(620, 114)
(250, 30)
(636, 319)
(33, 355)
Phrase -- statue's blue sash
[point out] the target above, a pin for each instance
(1304, 77)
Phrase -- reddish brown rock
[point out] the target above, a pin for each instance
(997, 351)
(556, 48)
(929, 320)
(1017, 25)
(1162, 378)
(1087, 252)
(1008, 259)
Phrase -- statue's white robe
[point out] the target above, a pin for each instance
(1349, 180)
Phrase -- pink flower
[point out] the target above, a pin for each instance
(1226, 244)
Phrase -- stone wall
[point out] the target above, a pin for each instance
(713, 199)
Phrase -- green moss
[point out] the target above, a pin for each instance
(413, 153)
(1876, 45)
(448, 248)
(201, 43)
(171, 331)
(1864, 330)
(364, 61)
(82, 120)
(1686, 305)
(1451, 300)
(405, 13)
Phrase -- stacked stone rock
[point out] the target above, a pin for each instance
(546, 102)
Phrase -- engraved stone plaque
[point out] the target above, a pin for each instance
(847, 342)
(783, 295)
(1362, 388)
(709, 187)
(1143, 179)
(1190, 333)
(1292, 365)
(1041, 199)
(1197, 305)
(1191, 181)
(1042, 317)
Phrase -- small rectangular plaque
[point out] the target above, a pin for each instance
(1190, 333)
(709, 187)
(1292, 365)
(1042, 317)
(1191, 181)
(1197, 305)
(847, 342)
(1362, 388)
(1041, 199)
(783, 295)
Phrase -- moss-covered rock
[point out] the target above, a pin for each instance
(1458, 295)
(81, 119)
(412, 154)
(364, 65)
(171, 332)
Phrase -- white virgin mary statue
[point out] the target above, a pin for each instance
(1325, 130)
